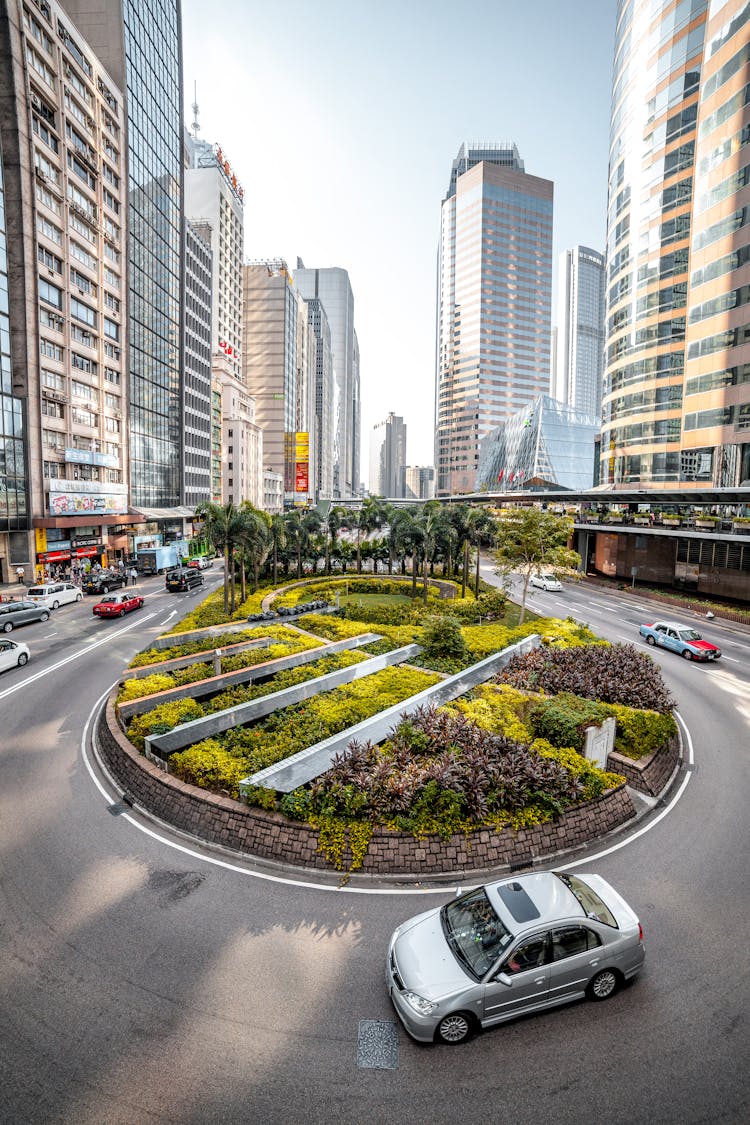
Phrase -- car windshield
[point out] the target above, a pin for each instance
(688, 635)
(474, 932)
(593, 906)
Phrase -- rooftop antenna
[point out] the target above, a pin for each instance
(195, 126)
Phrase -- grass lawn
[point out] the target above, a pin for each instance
(374, 599)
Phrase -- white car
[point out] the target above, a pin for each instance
(13, 654)
(546, 581)
(54, 594)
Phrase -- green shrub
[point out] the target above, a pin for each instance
(208, 765)
(640, 733)
(563, 718)
(163, 719)
(610, 674)
(442, 638)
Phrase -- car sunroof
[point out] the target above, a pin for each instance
(518, 902)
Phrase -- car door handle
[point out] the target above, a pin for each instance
(540, 980)
(594, 962)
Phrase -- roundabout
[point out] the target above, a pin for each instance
(146, 979)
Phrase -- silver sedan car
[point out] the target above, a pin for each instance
(503, 950)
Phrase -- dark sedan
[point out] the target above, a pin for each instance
(103, 582)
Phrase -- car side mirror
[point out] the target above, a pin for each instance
(503, 978)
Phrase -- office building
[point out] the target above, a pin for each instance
(715, 421)
(214, 203)
(333, 288)
(241, 440)
(579, 338)
(139, 43)
(649, 221)
(196, 390)
(388, 458)
(278, 364)
(419, 482)
(494, 304)
(325, 399)
(62, 125)
(545, 444)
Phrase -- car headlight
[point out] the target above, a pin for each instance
(419, 1004)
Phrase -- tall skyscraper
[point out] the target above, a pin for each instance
(278, 364)
(196, 388)
(325, 398)
(715, 446)
(214, 203)
(139, 42)
(388, 458)
(333, 288)
(61, 133)
(494, 298)
(651, 171)
(579, 348)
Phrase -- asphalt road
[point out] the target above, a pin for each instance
(144, 979)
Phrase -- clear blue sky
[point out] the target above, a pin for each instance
(342, 119)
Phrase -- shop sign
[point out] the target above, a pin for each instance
(52, 556)
(86, 552)
(88, 457)
(88, 541)
(72, 504)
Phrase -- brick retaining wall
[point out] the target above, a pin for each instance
(267, 835)
(651, 774)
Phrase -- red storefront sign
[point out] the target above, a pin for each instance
(86, 552)
(53, 556)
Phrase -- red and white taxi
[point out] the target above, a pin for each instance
(117, 605)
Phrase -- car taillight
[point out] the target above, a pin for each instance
(640, 932)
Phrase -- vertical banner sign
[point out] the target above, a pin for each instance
(41, 540)
(289, 445)
(302, 463)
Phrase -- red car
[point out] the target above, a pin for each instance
(117, 605)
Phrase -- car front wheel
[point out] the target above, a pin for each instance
(78, 597)
(44, 617)
(8, 625)
(650, 640)
(105, 589)
(454, 1029)
(687, 654)
(121, 613)
(603, 985)
(22, 659)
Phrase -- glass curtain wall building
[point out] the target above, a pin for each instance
(139, 42)
(656, 87)
(579, 353)
(494, 303)
(716, 405)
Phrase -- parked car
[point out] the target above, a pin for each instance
(54, 594)
(103, 581)
(523, 944)
(680, 638)
(546, 582)
(22, 612)
(201, 562)
(13, 654)
(117, 605)
(184, 578)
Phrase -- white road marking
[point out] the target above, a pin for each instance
(74, 656)
(398, 892)
(47, 635)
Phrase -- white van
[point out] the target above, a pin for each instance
(54, 594)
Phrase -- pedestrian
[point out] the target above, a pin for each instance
(133, 576)
(19, 575)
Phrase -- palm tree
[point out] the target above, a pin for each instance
(224, 526)
(256, 542)
(429, 523)
(277, 536)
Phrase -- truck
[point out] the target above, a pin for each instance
(155, 560)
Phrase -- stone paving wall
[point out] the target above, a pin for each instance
(651, 774)
(224, 821)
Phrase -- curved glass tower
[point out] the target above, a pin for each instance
(656, 86)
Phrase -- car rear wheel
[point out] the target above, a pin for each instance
(105, 589)
(7, 626)
(687, 654)
(22, 659)
(55, 605)
(603, 985)
(650, 640)
(455, 1028)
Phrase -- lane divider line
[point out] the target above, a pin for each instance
(81, 652)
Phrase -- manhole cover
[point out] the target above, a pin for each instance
(377, 1045)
